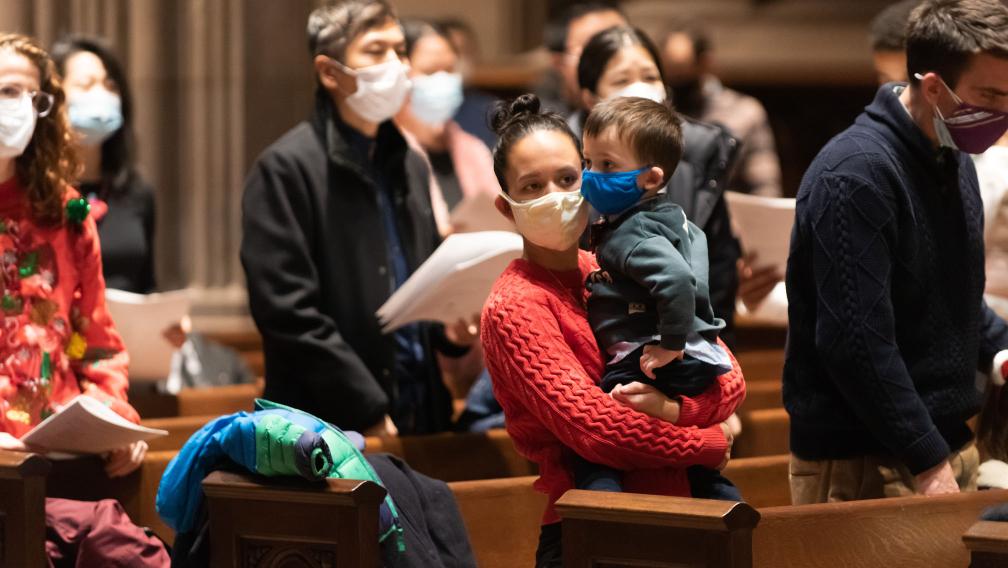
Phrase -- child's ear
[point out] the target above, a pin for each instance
(651, 178)
(504, 207)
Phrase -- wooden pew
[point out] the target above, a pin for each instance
(619, 529)
(22, 509)
(761, 395)
(194, 401)
(502, 517)
(179, 428)
(765, 432)
(905, 531)
(763, 481)
(762, 364)
(275, 522)
(457, 457)
(987, 542)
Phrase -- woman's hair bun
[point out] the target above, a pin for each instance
(507, 113)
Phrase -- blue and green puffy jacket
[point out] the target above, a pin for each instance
(273, 440)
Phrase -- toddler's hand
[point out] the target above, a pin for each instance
(647, 399)
(655, 357)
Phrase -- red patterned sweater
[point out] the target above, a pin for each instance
(57, 339)
(546, 365)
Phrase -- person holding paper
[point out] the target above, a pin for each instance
(885, 278)
(336, 216)
(58, 340)
(542, 355)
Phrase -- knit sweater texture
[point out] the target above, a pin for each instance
(885, 280)
(546, 366)
(57, 340)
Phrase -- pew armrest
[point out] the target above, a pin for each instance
(339, 492)
(19, 465)
(272, 519)
(682, 512)
(987, 536)
(609, 529)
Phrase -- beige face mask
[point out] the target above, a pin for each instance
(554, 221)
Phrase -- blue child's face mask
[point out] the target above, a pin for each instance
(611, 193)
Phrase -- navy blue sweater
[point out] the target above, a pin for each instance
(885, 281)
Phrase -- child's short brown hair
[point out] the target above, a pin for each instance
(652, 130)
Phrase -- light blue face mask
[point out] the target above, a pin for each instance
(437, 97)
(96, 115)
(611, 193)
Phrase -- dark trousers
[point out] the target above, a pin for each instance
(688, 377)
(549, 554)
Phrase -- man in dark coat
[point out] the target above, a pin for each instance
(336, 216)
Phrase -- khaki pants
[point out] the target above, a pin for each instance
(869, 477)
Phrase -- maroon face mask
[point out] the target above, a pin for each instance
(969, 128)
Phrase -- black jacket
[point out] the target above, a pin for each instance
(656, 263)
(885, 281)
(317, 269)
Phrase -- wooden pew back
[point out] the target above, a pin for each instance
(904, 531)
(762, 364)
(22, 509)
(763, 481)
(457, 457)
(502, 518)
(765, 432)
(987, 542)
(278, 522)
(624, 530)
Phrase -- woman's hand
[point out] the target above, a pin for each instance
(124, 461)
(464, 333)
(8, 442)
(647, 399)
(755, 283)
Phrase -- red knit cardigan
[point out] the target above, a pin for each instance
(546, 366)
(57, 339)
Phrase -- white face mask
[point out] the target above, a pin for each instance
(17, 124)
(436, 97)
(554, 221)
(643, 90)
(381, 90)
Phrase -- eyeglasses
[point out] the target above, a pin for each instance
(41, 100)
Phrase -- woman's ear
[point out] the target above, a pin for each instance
(651, 178)
(504, 207)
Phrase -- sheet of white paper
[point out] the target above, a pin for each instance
(763, 224)
(87, 426)
(140, 319)
(454, 281)
(478, 213)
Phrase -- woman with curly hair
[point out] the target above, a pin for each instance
(57, 339)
